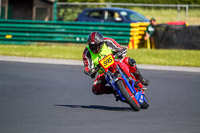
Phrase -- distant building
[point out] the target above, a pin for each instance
(27, 9)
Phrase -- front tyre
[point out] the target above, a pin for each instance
(130, 100)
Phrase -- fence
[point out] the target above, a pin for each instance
(33, 32)
(162, 12)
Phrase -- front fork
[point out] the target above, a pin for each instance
(111, 81)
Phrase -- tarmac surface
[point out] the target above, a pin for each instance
(48, 98)
(79, 62)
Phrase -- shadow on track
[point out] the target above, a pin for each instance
(98, 107)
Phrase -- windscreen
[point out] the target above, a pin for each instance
(133, 16)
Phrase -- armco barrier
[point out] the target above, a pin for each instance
(31, 32)
(24, 32)
(137, 34)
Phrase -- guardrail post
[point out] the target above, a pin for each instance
(108, 5)
(55, 10)
(178, 11)
(186, 13)
(0, 9)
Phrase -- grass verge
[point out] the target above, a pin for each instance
(142, 56)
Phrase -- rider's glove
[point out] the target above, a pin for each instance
(93, 75)
(92, 72)
(118, 54)
(121, 53)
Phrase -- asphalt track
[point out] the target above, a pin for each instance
(53, 98)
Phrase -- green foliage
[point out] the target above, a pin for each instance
(68, 14)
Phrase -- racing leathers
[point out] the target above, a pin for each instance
(99, 85)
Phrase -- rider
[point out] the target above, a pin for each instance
(98, 45)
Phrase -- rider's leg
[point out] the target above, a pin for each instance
(99, 86)
(133, 69)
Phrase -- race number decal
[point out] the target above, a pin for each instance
(107, 61)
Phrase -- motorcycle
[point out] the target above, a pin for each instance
(128, 88)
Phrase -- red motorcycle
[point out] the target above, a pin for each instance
(123, 82)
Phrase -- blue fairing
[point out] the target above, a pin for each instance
(140, 97)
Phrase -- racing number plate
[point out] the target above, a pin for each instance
(107, 61)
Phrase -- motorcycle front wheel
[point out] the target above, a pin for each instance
(130, 100)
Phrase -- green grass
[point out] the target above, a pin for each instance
(142, 56)
(59, 52)
(166, 57)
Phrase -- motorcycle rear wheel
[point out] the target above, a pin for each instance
(126, 95)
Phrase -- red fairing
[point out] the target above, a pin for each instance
(140, 85)
(113, 68)
(124, 67)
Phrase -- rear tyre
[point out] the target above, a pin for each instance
(145, 104)
(126, 95)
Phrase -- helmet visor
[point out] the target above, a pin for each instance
(94, 48)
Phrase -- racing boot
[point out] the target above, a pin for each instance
(133, 69)
(117, 97)
(138, 76)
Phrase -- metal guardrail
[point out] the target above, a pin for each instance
(32, 32)
(26, 32)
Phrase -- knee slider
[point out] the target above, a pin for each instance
(95, 90)
(96, 93)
